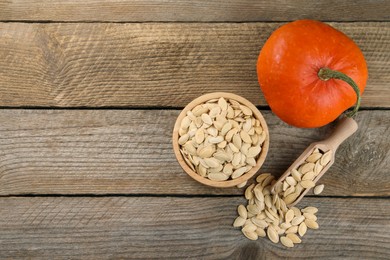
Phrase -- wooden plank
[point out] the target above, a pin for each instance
(148, 64)
(130, 152)
(177, 228)
(189, 11)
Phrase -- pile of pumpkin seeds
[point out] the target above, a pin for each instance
(221, 139)
(268, 215)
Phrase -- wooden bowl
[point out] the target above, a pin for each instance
(206, 181)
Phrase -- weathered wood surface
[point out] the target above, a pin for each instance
(178, 228)
(188, 10)
(149, 64)
(130, 152)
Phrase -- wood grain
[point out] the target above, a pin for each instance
(197, 228)
(153, 65)
(189, 11)
(130, 152)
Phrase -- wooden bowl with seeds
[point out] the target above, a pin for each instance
(220, 139)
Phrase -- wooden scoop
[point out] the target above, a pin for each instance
(344, 129)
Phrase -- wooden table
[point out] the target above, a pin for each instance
(90, 90)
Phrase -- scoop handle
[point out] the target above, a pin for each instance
(344, 129)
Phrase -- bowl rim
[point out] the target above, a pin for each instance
(220, 184)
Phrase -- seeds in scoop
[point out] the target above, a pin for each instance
(286, 242)
(318, 189)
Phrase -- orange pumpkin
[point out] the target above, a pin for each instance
(310, 73)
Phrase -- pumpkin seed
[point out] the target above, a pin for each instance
(286, 242)
(206, 119)
(237, 173)
(290, 180)
(307, 184)
(183, 139)
(294, 238)
(272, 234)
(313, 157)
(302, 229)
(260, 232)
(306, 167)
(237, 141)
(291, 198)
(292, 229)
(246, 110)
(296, 175)
(309, 176)
(252, 235)
(249, 226)
(326, 157)
(297, 220)
(311, 224)
(241, 185)
(212, 162)
(261, 223)
(318, 189)
(289, 215)
(312, 210)
(253, 151)
(206, 151)
(310, 216)
(226, 128)
(262, 177)
(217, 176)
(239, 222)
(248, 192)
(228, 169)
(245, 137)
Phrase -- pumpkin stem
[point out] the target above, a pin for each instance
(326, 74)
